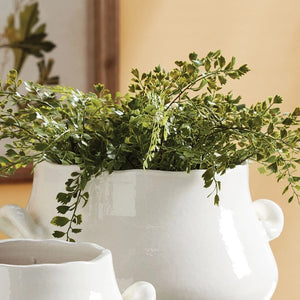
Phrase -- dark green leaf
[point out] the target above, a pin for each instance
(216, 199)
(296, 111)
(135, 72)
(221, 61)
(285, 190)
(243, 70)
(40, 146)
(270, 128)
(62, 209)
(77, 219)
(207, 65)
(60, 221)
(11, 153)
(283, 133)
(277, 99)
(58, 234)
(287, 121)
(193, 56)
(64, 198)
(4, 160)
(222, 80)
(273, 167)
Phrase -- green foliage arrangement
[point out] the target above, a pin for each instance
(176, 121)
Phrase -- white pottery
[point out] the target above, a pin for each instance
(162, 228)
(54, 269)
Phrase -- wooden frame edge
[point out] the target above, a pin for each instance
(106, 43)
(21, 175)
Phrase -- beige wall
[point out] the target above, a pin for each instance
(263, 33)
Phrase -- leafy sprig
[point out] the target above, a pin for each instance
(177, 121)
(75, 191)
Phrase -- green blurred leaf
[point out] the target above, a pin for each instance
(62, 209)
(60, 221)
(58, 234)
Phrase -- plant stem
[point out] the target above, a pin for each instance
(193, 83)
(76, 203)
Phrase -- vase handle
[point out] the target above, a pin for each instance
(16, 222)
(271, 217)
(140, 290)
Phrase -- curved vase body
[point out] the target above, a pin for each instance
(162, 228)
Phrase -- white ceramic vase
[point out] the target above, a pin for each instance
(162, 228)
(54, 269)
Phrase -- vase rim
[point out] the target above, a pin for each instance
(49, 164)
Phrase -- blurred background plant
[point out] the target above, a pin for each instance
(26, 36)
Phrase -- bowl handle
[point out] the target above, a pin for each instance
(140, 290)
(271, 217)
(16, 222)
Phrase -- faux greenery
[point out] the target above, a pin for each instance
(176, 121)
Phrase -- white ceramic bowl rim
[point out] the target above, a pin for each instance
(100, 252)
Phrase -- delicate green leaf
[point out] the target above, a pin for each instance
(262, 170)
(11, 153)
(270, 128)
(243, 70)
(216, 199)
(64, 198)
(221, 61)
(207, 65)
(277, 99)
(193, 56)
(283, 133)
(287, 121)
(75, 174)
(62, 209)
(135, 72)
(58, 234)
(285, 190)
(77, 219)
(273, 167)
(40, 146)
(99, 87)
(60, 221)
(222, 80)
(4, 160)
(296, 112)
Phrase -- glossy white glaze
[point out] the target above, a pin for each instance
(161, 227)
(53, 269)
